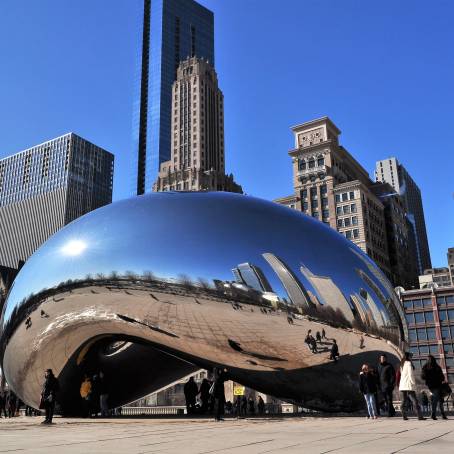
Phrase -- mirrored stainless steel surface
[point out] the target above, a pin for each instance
(152, 288)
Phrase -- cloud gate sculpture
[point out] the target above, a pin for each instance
(155, 287)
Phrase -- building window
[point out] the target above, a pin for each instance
(314, 204)
(313, 193)
(354, 220)
(311, 163)
(347, 222)
(320, 161)
(323, 189)
(301, 165)
(324, 202)
(352, 195)
(325, 214)
(304, 193)
(355, 233)
(315, 214)
(338, 210)
(338, 198)
(305, 206)
(344, 197)
(339, 222)
(348, 234)
(346, 209)
(353, 207)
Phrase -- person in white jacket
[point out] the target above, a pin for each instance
(407, 386)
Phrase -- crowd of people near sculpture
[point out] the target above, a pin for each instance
(378, 384)
(318, 343)
(212, 398)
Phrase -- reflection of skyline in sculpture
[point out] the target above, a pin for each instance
(252, 276)
(328, 292)
(362, 310)
(367, 280)
(392, 303)
(372, 306)
(295, 290)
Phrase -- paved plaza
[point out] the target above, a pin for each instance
(255, 436)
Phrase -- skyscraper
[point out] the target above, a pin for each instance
(392, 172)
(173, 30)
(47, 186)
(331, 186)
(197, 160)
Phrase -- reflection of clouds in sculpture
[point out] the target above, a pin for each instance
(184, 277)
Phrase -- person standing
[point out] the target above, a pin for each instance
(218, 392)
(205, 394)
(261, 406)
(318, 336)
(11, 400)
(49, 395)
(387, 377)
(407, 386)
(323, 334)
(434, 378)
(368, 387)
(190, 394)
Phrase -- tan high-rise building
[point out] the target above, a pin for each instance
(331, 186)
(197, 153)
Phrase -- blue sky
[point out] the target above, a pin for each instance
(382, 71)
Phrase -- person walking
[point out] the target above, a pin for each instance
(318, 336)
(323, 334)
(251, 405)
(261, 405)
(368, 387)
(3, 404)
(49, 395)
(313, 344)
(387, 377)
(433, 376)
(205, 395)
(334, 351)
(190, 394)
(407, 386)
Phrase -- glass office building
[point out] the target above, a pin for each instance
(46, 187)
(173, 30)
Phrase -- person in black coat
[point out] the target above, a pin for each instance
(205, 394)
(49, 395)
(190, 394)
(218, 392)
(3, 404)
(387, 377)
(368, 387)
(434, 378)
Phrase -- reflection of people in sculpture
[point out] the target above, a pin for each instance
(361, 342)
(323, 334)
(334, 351)
(318, 336)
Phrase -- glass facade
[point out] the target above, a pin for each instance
(177, 29)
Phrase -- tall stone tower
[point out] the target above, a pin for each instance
(197, 159)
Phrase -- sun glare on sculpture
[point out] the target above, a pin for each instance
(74, 247)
